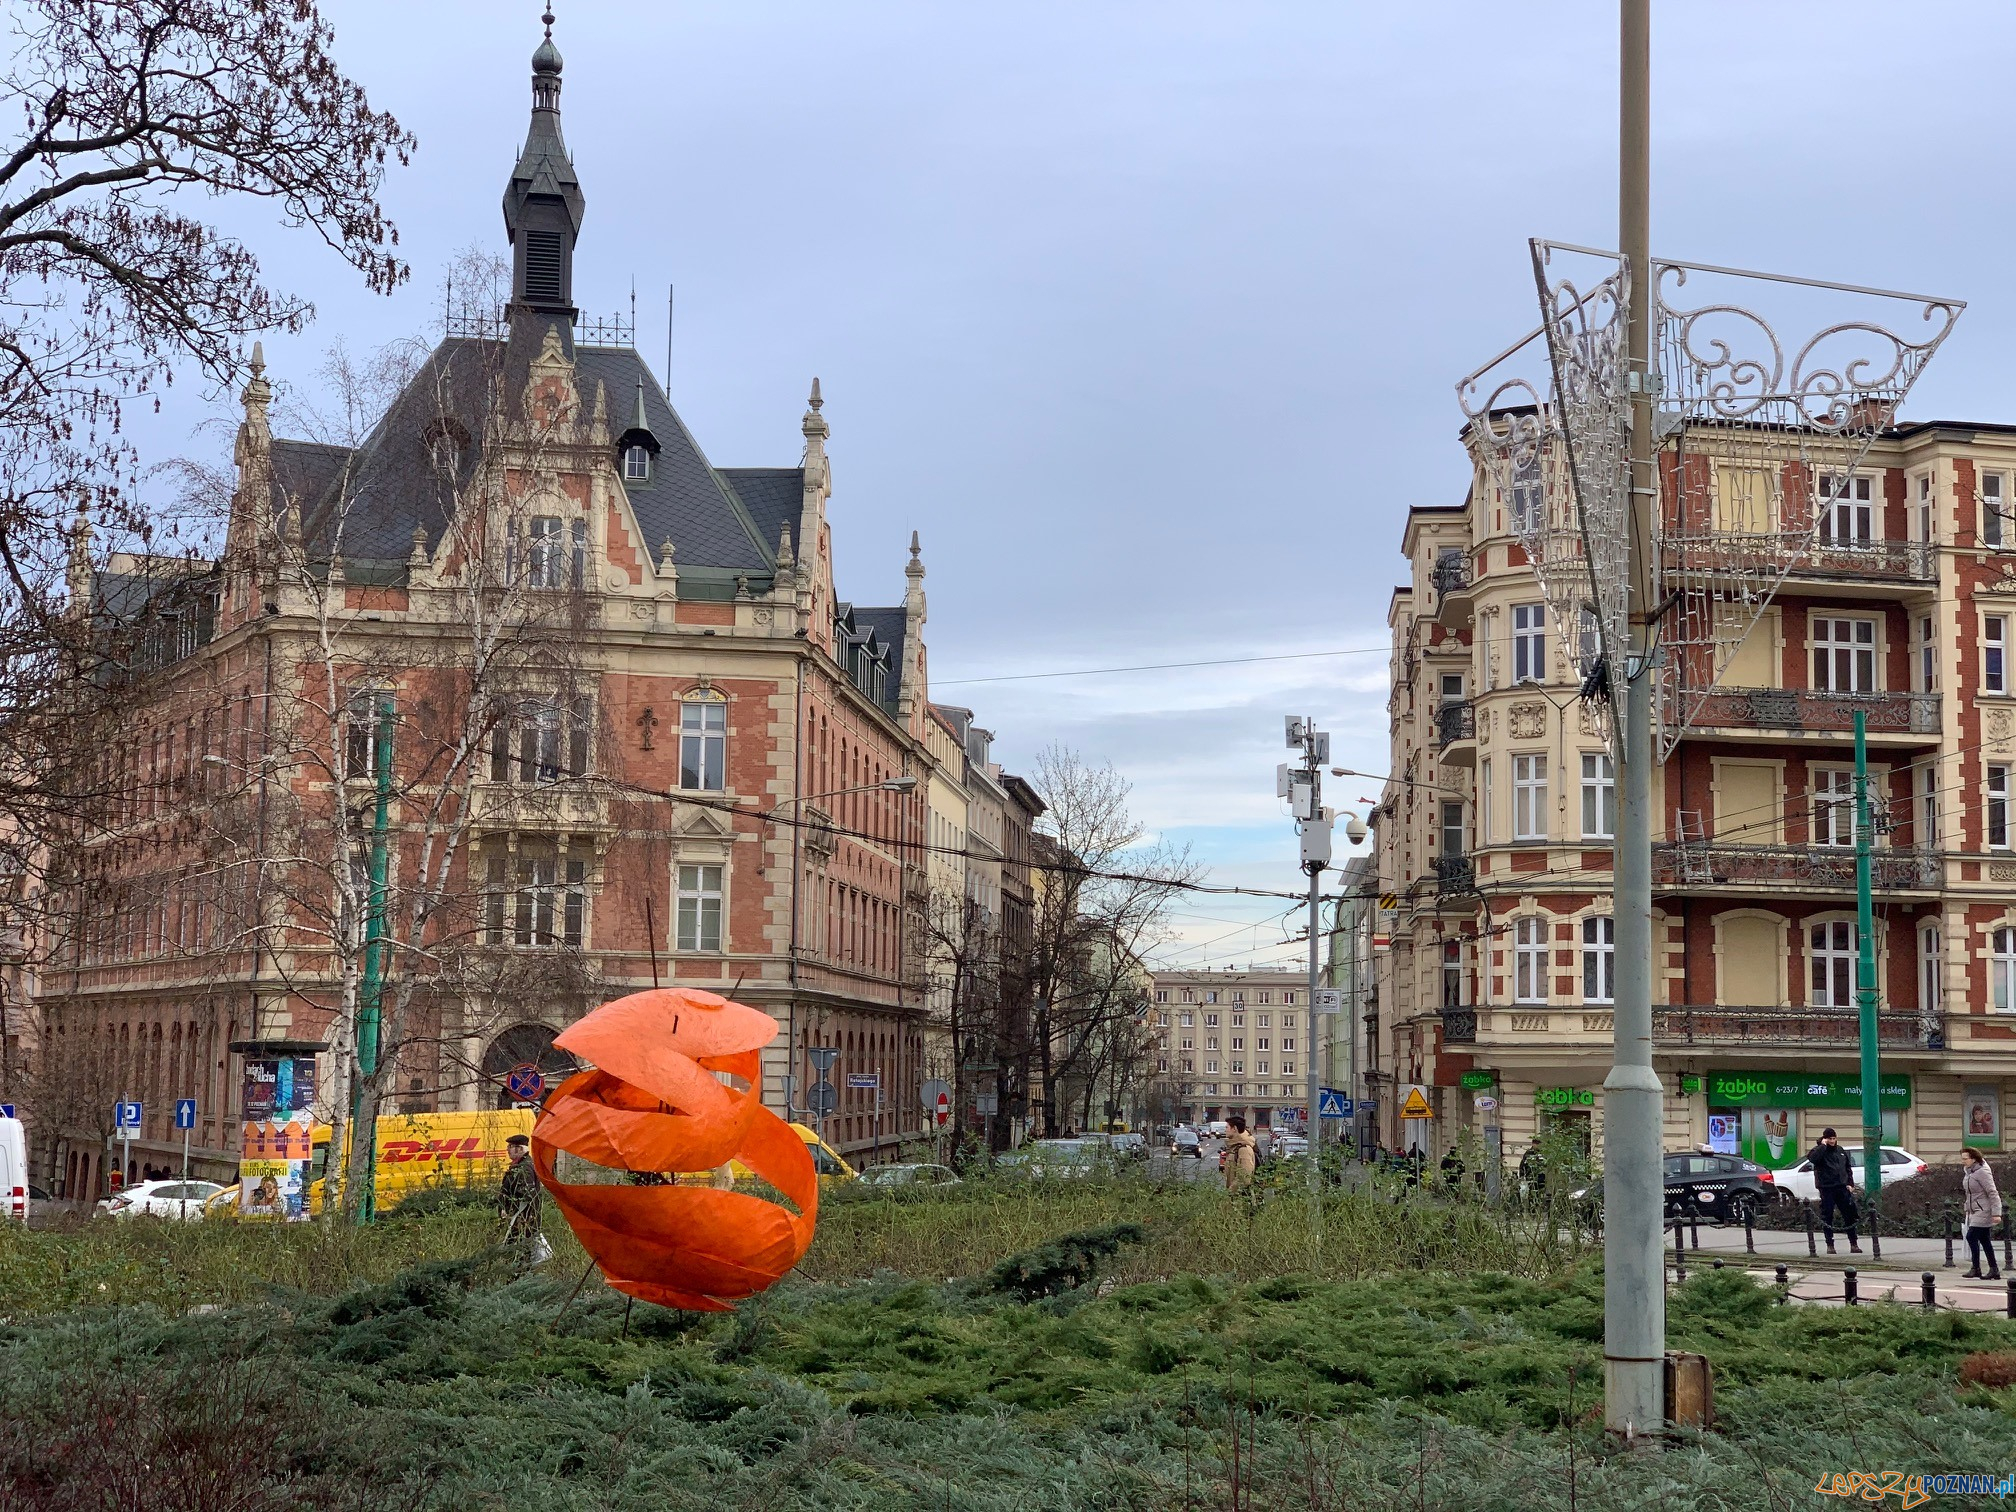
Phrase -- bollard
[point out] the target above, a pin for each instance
(1749, 1229)
(1784, 1284)
(1946, 1220)
(2008, 1259)
(1848, 1287)
(1718, 1265)
(1926, 1292)
(1696, 1226)
(1812, 1245)
(1679, 1253)
(2012, 1296)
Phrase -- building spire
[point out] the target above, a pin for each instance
(543, 203)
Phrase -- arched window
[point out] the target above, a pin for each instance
(703, 743)
(524, 1045)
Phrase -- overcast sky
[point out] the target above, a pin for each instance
(1147, 316)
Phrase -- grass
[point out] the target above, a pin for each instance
(408, 1366)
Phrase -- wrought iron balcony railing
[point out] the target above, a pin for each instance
(1455, 874)
(1459, 1026)
(1451, 575)
(1825, 868)
(1794, 1027)
(1454, 722)
(1811, 709)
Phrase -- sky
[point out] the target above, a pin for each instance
(1148, 317)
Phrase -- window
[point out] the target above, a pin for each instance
(1529, 797)
(1287, 1068)
(1994, 653)
(699, 907)
(1238, 1042)
(1529, 643)
(1211, 1042)
(1844, 655)
(636, 463)
(1847, 508)
(1484, 802)
(360, 731)
(1161, 994)
(1211, 997)
(1210, 1068)
(1288, 998)
(703, 744)
(1529, 960)
(1452, 829)
(1452, 687)
(1931, 976)
(1452, 973)
(1599, 960)
(1287, 1044)
(1267, 1019)
(1528, 496)
(1831, 959)
(2002, 970)
(1211, 1020)
(552, 901)
(1996, 819)
(542, 742)
(1187, 1020)
(554, 553)
(1260, 1044)
(1833, 806)
(1922, 487)
(1994, 510)
(1599, 796)
(1928, 808)
(1928, 656)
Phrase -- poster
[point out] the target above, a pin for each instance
(1724, 1132)
(1981, 1118)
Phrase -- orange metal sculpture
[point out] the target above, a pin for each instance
(654, 1103)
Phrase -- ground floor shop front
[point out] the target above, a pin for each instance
(1770, 1113)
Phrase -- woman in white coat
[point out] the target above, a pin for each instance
(1983, 1207)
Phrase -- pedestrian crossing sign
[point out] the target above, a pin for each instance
(1416, 1105)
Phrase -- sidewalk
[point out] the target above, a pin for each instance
(1897, 1277)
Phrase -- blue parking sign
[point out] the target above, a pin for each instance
(185, 1112)
(128, 1115)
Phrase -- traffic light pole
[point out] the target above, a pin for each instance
(1634, 1257)
(1865, 973)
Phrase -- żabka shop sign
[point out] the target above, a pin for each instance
(1779, 1089)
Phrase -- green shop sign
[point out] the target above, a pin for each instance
(1565, 1097)
(1478, 1081)
(1780, 1089)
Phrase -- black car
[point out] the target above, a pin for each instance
(1721, 1188)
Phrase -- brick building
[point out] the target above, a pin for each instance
(635, 736)
(1495, 829)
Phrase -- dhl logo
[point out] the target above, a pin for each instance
(398, 1150)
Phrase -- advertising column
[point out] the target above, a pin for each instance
(278, 1132)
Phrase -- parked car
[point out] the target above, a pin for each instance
(1056, 1158)
(1129, 1146)
(1286, 1145)
(14, 1192)
(1898, 1165)
(909, 1175)
(1722, 1188)
(161, 1199)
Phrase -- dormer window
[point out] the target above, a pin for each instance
(636, 464)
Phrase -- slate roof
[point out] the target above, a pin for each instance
(727, 520)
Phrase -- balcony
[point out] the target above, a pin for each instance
(1812, 711)
(1792, 1028)
(1459, 1026)
(572, 807)
(1455, 876)
(1456, 734)
(1454, 592)
(1694, 865)
(1863, 568)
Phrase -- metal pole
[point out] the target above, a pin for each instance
(1865, 977)
(1634, 1293)
(1315, 1022)
(368, 1023)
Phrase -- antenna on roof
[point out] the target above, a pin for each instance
(670, 291)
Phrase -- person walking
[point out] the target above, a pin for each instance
(518, 1201)
(1834, 1176)
(1241, 1155)
(1983, 1207)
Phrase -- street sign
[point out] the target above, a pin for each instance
(822, 1057)
(1368, 1105)
(185, 1112)
(941, 1111)
(929, 1094)
(526, 1083)
(864, 1080)
(821, 1098)
(1416, 1104)
(1331, 1104)
(6, 1110)
(127, 1115)
(987, 1104)
(1328, 1000)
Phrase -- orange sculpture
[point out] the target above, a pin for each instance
(654, 1103)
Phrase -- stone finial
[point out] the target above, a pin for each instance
(741, 587)
(786, 558)
(815, 426)
(916, 567)
(913, 590)
(290, 523)
(665, 556)
(77, 577)
(417, 557)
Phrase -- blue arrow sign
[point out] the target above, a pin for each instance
(6, 1110)
(185, 1112)
(127, 1115)
(1331, 1104)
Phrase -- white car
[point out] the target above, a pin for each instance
(161, 1199)
(909, 1175)
(1286, 1145)
(1898, 1165)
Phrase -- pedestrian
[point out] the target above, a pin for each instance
(1240, 1155)
(518, 1201)
(1452, 1168)
(1834, 1176)
(1984, 1205)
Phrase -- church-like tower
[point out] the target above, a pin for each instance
(543, 203)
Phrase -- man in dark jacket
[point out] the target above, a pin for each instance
(1834, 1175)
(518, 1198)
